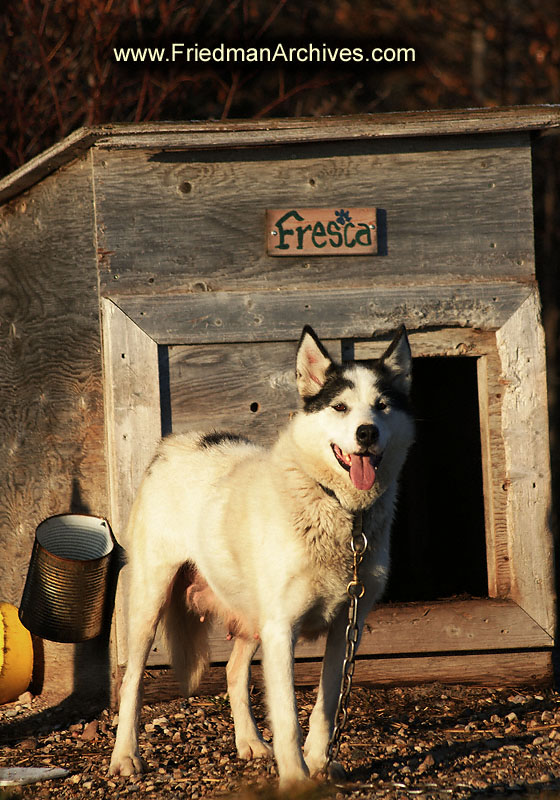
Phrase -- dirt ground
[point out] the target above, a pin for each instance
(429, 741)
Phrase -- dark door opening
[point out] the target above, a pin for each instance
(438, 543)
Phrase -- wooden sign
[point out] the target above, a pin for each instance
(321, 231)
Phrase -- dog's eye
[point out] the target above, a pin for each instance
(340, 407)
(381, 405)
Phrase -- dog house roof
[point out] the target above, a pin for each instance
(196, 135)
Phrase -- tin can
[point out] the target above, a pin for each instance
(66, 587)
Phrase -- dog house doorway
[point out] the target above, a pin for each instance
(438, 542)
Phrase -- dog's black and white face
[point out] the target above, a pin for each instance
(357, 414)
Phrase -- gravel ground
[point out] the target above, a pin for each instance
(430, 741)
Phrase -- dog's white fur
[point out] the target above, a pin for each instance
(251, 535)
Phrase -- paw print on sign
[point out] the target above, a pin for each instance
(342, 217)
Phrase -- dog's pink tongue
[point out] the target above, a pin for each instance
(362, 471)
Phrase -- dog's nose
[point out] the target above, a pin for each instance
(366, 435)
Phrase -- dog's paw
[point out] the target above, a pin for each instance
(126, 765)
(294, 785)
(334, 772)
(247, 749)
(315, 766)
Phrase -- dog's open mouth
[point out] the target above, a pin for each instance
(361, 466)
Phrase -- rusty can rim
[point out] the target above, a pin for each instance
(103, 522)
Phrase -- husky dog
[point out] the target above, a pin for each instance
(261, 539)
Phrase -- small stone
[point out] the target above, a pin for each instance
(511, 717)
(26, 698)
(426, 764)
(149, 727)
(28, 744)
(90, 731)
(78, 726)
(538, 740)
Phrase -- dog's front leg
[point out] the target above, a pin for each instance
(278, 659)
(321, 722)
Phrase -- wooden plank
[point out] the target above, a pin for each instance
(380, 125)
(426, 344)
(453, 208)
(216, 317)
(521, 350)
(490, 397)
(232, 133)
(246, 388)
(446, 626)
(133, 428)
(483, 669)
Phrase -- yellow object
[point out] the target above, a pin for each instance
(16, 654)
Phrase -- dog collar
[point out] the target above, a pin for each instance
(330, 493)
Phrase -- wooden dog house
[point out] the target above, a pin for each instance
(142, 294)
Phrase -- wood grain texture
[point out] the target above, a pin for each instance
(173, 222)
(51, 389)
(445, 626)
(213, 317)
(494, 473)
(133, 430)
(132, 400)
(190, 135)
(521, 350)
(426, 344)
(51, 380)
(245, 388)
(483, 669)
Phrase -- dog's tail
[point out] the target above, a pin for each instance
(187, 637)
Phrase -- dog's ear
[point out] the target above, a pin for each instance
(398, 359)
(312, 364)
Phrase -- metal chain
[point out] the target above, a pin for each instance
(355, 590)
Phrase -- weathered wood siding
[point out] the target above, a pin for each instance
(51, 384)
(194, 221)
